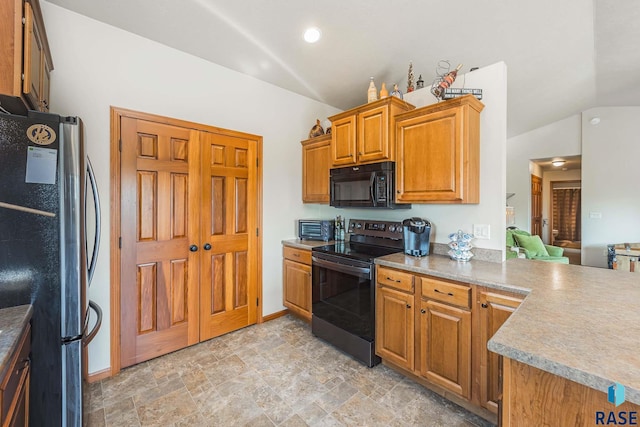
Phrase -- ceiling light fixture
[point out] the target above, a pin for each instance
(558, 163)
(595, 120)
(312, 35)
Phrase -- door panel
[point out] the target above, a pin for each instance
(229, 224)
(536, 205)
(159, 289)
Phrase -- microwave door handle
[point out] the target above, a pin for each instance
(372, 189)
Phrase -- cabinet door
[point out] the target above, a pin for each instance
(494, 310)
(297, 288)
(343, 141)
(395, 327)
(373, 135)
(32, 59)
(316, 162)
(445, 353)
(438, 153)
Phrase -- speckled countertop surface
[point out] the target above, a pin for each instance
(580, 323)
(306, 244)
(12, 322)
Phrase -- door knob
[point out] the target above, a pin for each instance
(193, 248)
(207, 246)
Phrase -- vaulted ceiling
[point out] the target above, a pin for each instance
(562, 57)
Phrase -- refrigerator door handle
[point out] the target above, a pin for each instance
(89, 336)
(96, 202)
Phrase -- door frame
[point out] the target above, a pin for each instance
(116, 113)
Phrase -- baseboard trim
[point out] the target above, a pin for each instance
(99, 375)
(275, 315)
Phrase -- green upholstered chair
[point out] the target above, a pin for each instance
(522, 242)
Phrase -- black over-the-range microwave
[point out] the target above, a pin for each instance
(365, 186)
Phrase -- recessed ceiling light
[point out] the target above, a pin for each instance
(312, 35)
(558, 163)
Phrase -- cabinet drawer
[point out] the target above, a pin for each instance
(395, 279)
(447, 292)
(18, 369)
(298, 255)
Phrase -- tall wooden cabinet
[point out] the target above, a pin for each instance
(365, 134)
(316, 162)
(296, 271)
(438, 153)
(25, 58)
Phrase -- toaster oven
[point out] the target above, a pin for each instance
(316, 229)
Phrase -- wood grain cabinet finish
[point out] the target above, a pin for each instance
(14, 385)
(494, 308)
(395, 315)
(438, 153)
(365, 134)
(445, 349)
(25, 57)
(297, 281)
(316, 162)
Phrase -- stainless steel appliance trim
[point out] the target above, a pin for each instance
(343, 268)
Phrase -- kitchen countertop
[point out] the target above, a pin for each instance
(306, 244)
(579, 323)
(13, 320)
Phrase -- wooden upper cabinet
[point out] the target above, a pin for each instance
(25, 58)
(365, 134)
(316, 162)
(438, 153)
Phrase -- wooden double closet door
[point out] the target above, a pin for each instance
(189, 234)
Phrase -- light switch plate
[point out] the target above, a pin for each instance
(482, 231)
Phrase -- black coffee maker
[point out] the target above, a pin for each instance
(416, 236)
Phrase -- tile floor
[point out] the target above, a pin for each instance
(276, 373)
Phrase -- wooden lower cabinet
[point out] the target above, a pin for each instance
(494, 308)
(395, 316)
(442, 342)
(445, 346)
(14, 386)
(296, 280)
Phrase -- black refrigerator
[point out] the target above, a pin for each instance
(47, 187)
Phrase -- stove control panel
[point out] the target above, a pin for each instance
(366, 227)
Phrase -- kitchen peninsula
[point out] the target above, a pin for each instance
(575, 323)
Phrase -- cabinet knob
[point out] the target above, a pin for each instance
(398, 191)
(423, 311)
(408, 305)
(193, 248)
(207, 246)
(483, 305)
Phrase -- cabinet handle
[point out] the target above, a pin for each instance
(207, 246)
(444, 293)
(193, 248)
(483, 305)
(393, 280)
(423, 311)
(25, 365)
(408, 305)
(398, 191)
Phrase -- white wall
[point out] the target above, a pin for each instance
(447, 219)
(98, 66)
(562, 138)
(610, 159)
(547, 195)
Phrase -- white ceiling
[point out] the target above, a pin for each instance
(562, 56)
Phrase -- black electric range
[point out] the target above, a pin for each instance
(343, 286)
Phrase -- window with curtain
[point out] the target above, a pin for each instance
(566, 213)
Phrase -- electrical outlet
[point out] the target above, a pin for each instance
(482, 231)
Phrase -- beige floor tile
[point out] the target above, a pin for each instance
(273, 374)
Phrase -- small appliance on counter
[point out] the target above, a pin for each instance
(316, 229)
(416, 236)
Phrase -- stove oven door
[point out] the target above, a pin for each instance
(344, 294)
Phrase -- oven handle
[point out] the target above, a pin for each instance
(348, 269)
